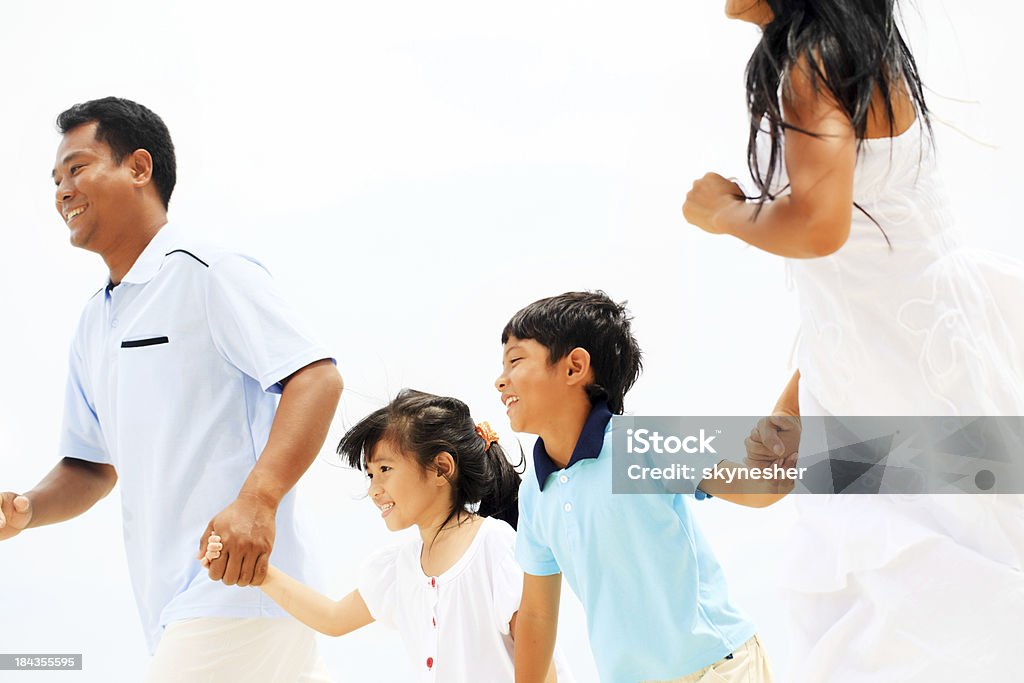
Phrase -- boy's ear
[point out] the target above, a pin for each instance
(578, 366)
(444, 466)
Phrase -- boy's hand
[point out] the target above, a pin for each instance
(774, 440)
(15, 514)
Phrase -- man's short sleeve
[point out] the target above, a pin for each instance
(81, 436)
(532, 553)
(253, 327)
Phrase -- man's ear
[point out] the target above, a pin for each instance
(140, 163)
(444, 468)
(577, 365)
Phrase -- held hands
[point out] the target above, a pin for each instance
(774, 440)
(708, 202)
(244, 533)
(213, 548)
(15, 514)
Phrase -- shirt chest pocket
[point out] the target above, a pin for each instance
(141, 343)
(154, 370)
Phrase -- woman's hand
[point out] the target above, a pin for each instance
(708, 202)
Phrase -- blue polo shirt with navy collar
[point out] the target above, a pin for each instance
(655, 597)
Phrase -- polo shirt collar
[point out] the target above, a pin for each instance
(588, 446)
(152, 257)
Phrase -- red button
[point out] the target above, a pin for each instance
(430, 662)
(433, 583)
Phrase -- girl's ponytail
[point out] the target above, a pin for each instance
(501, 500)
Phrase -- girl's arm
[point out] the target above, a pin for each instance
(814, 219)
(552, 676)
(536, 625)
(330, 617)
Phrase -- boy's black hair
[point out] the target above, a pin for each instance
(424, 425)
(592, 321)
(127, 126)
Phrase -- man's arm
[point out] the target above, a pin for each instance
(72, 487)
(536, 624)
(247, 526)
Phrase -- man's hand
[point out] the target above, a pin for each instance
(774, 440)
(15, 514)
(246, 536)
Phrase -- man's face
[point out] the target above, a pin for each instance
(91, 188)
(532, 388)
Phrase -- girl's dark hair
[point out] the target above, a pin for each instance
(851, 48)
(424, 425)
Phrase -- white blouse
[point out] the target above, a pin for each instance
(455, 626)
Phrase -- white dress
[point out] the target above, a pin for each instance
(455, 627)
(891, 588)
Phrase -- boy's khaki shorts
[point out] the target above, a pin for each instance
(748, 664)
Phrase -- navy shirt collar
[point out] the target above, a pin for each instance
(587, 446)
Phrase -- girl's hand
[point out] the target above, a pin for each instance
(213, 548)
(709, 200)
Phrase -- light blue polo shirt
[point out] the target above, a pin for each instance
(173, 380)
(655, 597)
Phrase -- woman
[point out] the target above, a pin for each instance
(896, 319)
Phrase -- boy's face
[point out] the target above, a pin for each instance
(532, 389)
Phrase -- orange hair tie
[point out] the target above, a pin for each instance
(487, 434)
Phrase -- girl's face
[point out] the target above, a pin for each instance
(403, 490)
(754, 11)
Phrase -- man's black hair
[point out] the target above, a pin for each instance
(127, 126)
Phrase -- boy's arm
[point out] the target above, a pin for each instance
(774, 441)
(552, 676)
(536, 624)
(330, 617)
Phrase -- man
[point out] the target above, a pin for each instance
(173, 376)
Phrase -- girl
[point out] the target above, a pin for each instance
(896, 318)
(454, 593)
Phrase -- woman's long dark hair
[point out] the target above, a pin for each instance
(852, 48)
(424, 425)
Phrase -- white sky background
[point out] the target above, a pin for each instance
(413, 173)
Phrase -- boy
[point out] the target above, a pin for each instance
(655, 598)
